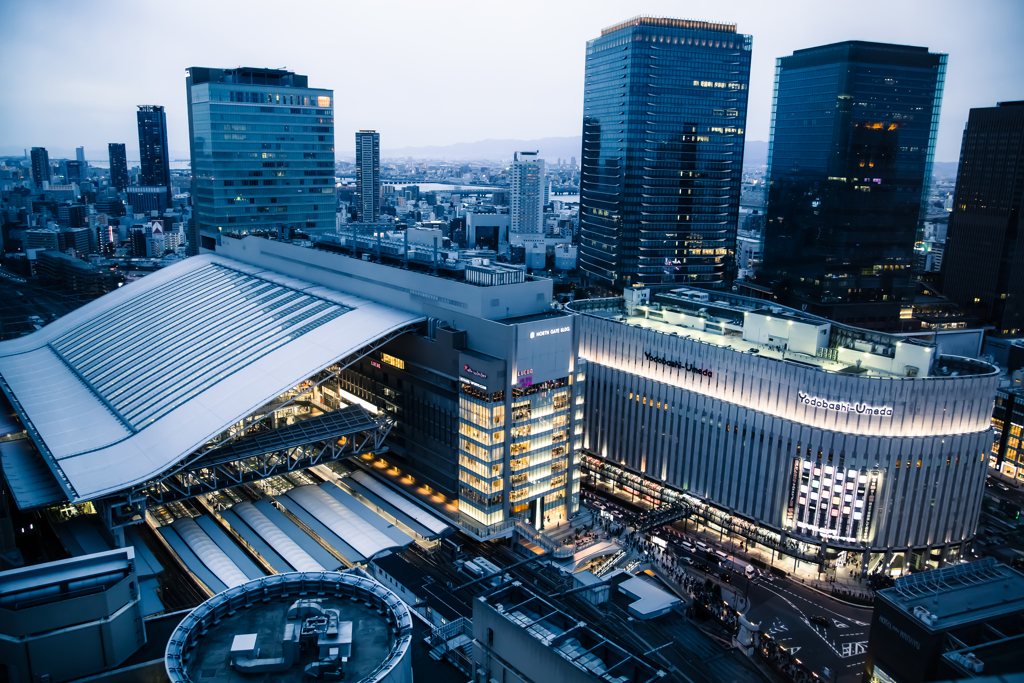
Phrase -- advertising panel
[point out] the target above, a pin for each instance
(543, 350)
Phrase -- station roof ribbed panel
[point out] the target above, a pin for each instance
(119, 390)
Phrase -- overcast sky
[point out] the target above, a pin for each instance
(434, 73)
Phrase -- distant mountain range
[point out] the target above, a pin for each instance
(551, 149)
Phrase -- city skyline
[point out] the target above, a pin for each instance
(105, 105)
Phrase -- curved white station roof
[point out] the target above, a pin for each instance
(119, 390)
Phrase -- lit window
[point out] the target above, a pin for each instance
(391, 360)
(323, 101)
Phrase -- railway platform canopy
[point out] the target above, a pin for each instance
(152, 387)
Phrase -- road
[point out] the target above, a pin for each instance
(997, 488)
(782, 607)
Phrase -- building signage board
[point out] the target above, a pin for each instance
(475, 373)
(793, 489)
(842, 406)
(688, 367)
(544, 350)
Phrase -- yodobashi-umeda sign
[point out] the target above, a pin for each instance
(843, 406)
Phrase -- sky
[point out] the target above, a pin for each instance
(434, 72)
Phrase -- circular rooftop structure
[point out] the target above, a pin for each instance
(295, 627)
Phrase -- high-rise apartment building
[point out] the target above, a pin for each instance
(984, 254)
(118, 165)
(664, 116)
(262, 146)
(40, 167)
(368, 175)
(155, 167)
(528, 180)
(853, 134)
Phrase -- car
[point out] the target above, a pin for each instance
(725, 577)
(1003, 487)
(819, 620)
(701, 568)
(687, 560)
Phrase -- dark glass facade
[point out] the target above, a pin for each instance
(984, 262)
(155, 166)
(40, 166)
(850, 157)
(262, 146)
(118, 165)
(664, 117)
(73, 172)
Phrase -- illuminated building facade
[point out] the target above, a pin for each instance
(1008, 424)
(802, 430)
(849, 163)
(664, 114)
(262, 147)
(487, 411)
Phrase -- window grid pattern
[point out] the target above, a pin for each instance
(663, 130)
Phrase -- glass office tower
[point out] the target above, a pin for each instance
(984, 269)
(262, 146)
(155, 166)
(368, 175)
(664, 115)
(118, 165)
(850, 157)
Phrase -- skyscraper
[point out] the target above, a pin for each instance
(368, 175)
(984, 259)
(74, 172)
(118, 165)
(527, 194)
(83, 165)
(40, 167)
(664, 114)
(155, 168)
(853, 134)
(262, 147)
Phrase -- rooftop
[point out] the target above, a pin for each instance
(755, 326)
(944, 599)
(573, 640)
(668, 22)
(379, 623)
